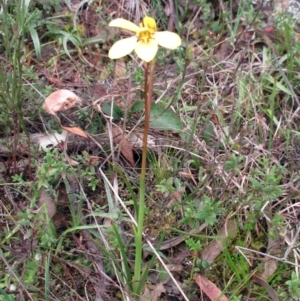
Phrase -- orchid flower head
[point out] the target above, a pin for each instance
(145, 42)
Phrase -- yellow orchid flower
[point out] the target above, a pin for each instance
(146, 41)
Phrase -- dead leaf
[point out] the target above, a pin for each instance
(271, 292)
(52, 140)
(124, 144)
(48, 201)
(60, 100)
(70, 160)
(117, 135)
(126, 150)
(137, 140)
(274, 249)
(91, 160)
(153, 292)
(76, 131)
(270, 266)
(210, 289)
(215, 247)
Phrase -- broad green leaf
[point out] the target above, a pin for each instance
(36, 42)
(112, 110)
(68, 37)
(271, 115)
(137, 106)
(209, 132)
(282, 88)
(4, 295)
(255, 183)
(92, 40)
(187, 108)
(278, 85)
(164, 119)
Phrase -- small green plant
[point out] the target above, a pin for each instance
(53, 168)
(166, 185)
(138, 76)
(294, 286)
(234, 164)
(265, 180)
(193, 245)
(198, 212)
(236, 298)
(90, 177)
(32, 267)
(278, 227)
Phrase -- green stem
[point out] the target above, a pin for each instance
(137, 286)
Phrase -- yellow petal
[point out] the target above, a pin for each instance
(122, 48)
(149, 23)
(168, 39)
(125, 24)
(146, 51)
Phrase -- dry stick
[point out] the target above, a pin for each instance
(172, 16)
(291, 244)
(282, 259)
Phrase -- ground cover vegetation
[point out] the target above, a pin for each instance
(220, 213)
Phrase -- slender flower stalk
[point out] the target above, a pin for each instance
(145, 43)
(142, 190)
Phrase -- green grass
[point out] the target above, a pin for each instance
(232, 166)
